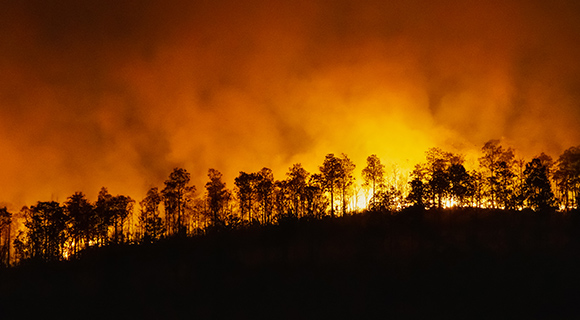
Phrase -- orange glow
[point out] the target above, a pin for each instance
(121, 96)
(450, 203)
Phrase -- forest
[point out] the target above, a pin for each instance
(500, 241)
(52, 231)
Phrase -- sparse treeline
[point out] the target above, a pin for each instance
(53, 231)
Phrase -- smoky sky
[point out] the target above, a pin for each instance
(117, 93)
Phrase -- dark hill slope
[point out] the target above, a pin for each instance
(463, 263)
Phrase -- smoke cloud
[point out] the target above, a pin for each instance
(117, 93)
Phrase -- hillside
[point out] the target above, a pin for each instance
(452, 263)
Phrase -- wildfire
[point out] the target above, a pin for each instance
(450, 203)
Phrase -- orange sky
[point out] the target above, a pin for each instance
(111, 93)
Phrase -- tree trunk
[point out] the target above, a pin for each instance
(331, 202)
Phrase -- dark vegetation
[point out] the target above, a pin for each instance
(453, 263)
(494, 242)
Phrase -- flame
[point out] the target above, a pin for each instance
(450, 203)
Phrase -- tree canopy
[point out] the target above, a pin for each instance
(53, 231)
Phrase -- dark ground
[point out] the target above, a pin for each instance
(435, 264)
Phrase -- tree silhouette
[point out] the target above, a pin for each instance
(497, 164)
(567, 177)
(476, 188)
(296, 182)
(331, 171)
(386, 200)
(282, 203)
(5, 228)
(439, 185)
(316, 201)
(505, 182)
(122, 207)
(460, 183)
(54, 231)
(345, 180)
(82, 221)
(21, 246)
(112, 212)
(245, 189)
(176, 194)
(337, 178)
(104, 215)
(265, 190)
(519, 185)
(217, 195)
(417, 194)
(373, 174)
(151, 224)
(538, 189)
(547, 162)
(433, 177)
(46, 223)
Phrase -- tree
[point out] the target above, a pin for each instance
(460, 183)
(567, 177)
(316, 201)
(112, 212)
(176, 194)
(538, 189)
(497, 165)
(121, 207)
(104, 216)
(373, 174)
(505, 194)
(5, 227)
(217, 195)
(151, 224)
(439, 185)
(296, 182)
(438, 174)
(265, 190)
(21, 246)
(282, 202)
(46, 223)
(417, 195)
(386, 200)
(345, 180)
(337, 178)
(331, 171)
(82, 221)
(245, 189)
(475, 189)
(519, 183)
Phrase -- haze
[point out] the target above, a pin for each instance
(117, 93)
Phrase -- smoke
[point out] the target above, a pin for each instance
(116, 94)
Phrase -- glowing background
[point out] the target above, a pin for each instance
(117, 93)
